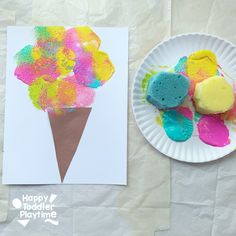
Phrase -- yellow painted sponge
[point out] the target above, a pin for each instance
(201, 65)
(214, 95)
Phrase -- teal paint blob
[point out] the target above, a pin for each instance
(96, 83)
(177, 127)
(24, 55)
(197, 116)
(181, 65)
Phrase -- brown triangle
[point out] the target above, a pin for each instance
(67, 130)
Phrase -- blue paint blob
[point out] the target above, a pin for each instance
(181, 65)
(96, 83)
(167, 90)
(177, 127)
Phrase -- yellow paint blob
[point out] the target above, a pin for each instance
(65, 60)
(102, 66)
(213, 96)
(36, 53)
(88, 38)
(159, 119)
(201, 65)
(35, 90)
(56, 32)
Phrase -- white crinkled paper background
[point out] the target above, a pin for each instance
(6, 18)
(143, 206)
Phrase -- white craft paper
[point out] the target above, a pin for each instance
(101, 157)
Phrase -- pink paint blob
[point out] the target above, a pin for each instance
(83, 69)
(45, 67)
(191, 89)
(25, 73)
(85, 96)
(213, 131)
(71, 41)
(186, 112)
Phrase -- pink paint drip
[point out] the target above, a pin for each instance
(186, 112)
(213, 131)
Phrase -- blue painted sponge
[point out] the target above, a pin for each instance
(167, 90)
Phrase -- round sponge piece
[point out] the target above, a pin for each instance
(213, 96)
(201, 65)
(167, 90)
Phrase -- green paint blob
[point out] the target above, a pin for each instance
(146, 80)
(42, 92)
(41, 32)
(24, 55)
(35, 92)
(159, 120)
(177, 127)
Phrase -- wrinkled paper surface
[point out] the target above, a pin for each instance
(95, 210)
(6, 18)
(203, 201)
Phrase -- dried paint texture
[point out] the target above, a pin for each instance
(63, 68)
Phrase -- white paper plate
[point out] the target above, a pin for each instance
(168, 53)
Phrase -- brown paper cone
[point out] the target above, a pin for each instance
(67, 130)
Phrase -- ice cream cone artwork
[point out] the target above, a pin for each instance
(67, 130)
(63, 70)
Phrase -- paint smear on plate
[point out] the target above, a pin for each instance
(185, 111)
(213, 131)
(159, 119)
(146, 79)
(177, 126)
